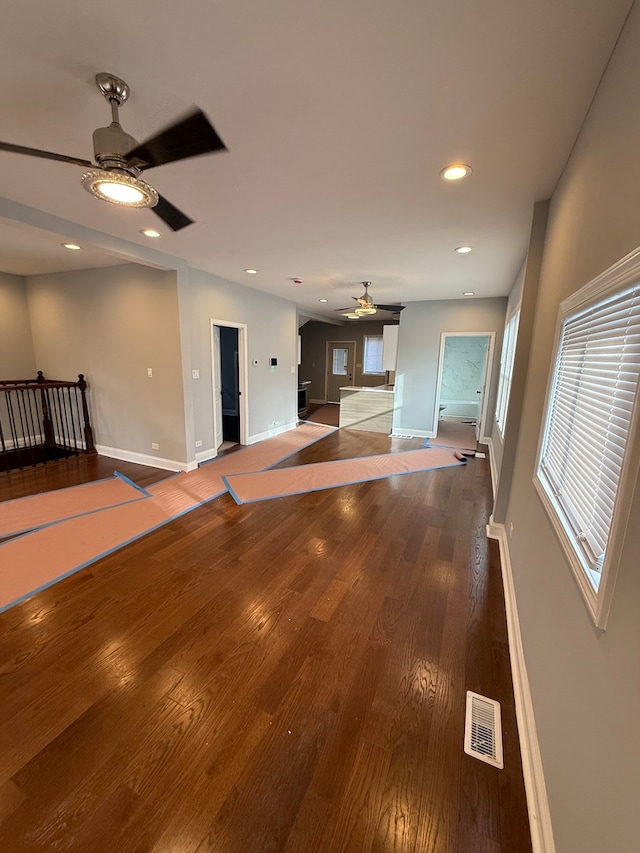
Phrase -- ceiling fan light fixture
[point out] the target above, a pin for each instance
(119, 188)
(352, 316)
(363, 311)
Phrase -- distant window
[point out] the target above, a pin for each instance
(373, 354)
(582, 465)
(506, 369)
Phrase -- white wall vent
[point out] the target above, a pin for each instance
(483, 729)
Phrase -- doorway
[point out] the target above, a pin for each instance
(464, 373)
(229, 372)
(339, 368)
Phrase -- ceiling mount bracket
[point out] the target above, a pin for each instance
(113, 88)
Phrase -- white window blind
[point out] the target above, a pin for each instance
(506, 369)
(373, 354)
(589, 415)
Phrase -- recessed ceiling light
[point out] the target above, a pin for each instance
(352, 316)
(463, 250)
(252, 272)
(323, 300)
(150, 232)
(455, 172)
(72, 246)
(468, 293)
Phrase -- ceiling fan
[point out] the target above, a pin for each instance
(366, 305)
(120, 158)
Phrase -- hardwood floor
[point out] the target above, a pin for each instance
(281, 676)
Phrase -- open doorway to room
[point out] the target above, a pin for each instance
(229, 371)
(464, 374)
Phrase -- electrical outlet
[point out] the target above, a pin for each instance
(155, 446)
(150, 372)
(198, 444)
(195, 374)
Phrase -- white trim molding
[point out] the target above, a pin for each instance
(492, 463)
(536, 790)
(145, 459)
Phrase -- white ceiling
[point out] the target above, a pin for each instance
(338, 116)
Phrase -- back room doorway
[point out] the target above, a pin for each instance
(229, 381)
(464, 374)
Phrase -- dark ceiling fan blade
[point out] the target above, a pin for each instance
(170, 214)
(393, 308)
(188, 137)
(46, 155)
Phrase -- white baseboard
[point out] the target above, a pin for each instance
(536, 791)
(145, 459)
(269, 433)
(416, 433)
(317, 402)
(205, 455)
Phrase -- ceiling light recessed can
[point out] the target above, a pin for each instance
(252, 272)
(455, 172)
(72, 246)
(150, 232)
(323, 300)
(468, 293)
(463, 250)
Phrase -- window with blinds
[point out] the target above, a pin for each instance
(506, 369)
(372, 354)
(589, 417)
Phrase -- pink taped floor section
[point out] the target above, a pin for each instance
(36, 560)
(39, 510)
(246, 488)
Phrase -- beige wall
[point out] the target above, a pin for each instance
(585, 683)
(112, 324)
(314, 348)
(17, 360)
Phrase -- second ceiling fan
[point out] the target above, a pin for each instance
(366, 305)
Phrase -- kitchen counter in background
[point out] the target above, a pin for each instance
(369, 409)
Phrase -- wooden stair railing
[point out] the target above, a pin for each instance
(43, 419)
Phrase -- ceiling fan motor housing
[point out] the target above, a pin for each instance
(110, 145)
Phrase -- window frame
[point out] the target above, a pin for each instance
(505, 376)
(622, 275)
(366, 372)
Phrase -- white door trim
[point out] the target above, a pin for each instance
(243, 378)
(487, 375)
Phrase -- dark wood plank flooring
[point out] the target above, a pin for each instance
(282, 676)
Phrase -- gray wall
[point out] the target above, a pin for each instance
(421, 325)
(112, 324)
(272, 331)
(314, 347)
(585, 683)
(17, 360)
